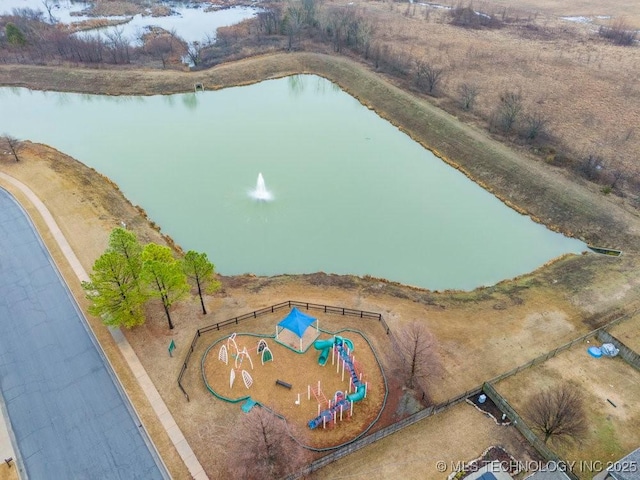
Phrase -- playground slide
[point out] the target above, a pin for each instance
(322, 344)
(358, 394)
(324, 356)
(326, 345)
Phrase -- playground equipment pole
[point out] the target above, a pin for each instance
(351, 414)
(334, 416)
(341, 406)
(366, 387)
(333, 355)
(318, 409)
(342, 371)
(308, 392)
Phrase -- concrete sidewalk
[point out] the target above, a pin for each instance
(158, 405)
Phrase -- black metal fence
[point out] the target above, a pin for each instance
(268, 310)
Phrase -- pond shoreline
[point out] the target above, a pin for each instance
(518, 179)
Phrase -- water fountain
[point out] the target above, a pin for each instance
(261, 193)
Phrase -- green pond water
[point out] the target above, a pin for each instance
(351, 193)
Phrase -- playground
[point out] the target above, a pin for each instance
(327, 385)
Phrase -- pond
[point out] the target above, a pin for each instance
(193, 22)
(351, 194)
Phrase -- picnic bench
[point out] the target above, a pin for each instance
(283, 384)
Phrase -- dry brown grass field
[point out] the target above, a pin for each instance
(613, 431)
(563, 70)
(627, 9)
(628, 332)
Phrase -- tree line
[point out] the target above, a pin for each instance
(27, 36)
(128, 275)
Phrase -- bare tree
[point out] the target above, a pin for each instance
(194, 52)
(509, 110)
(269, 19)
(12, 143)
(591, 167)
(468, 94)
(118, 45)
(558, 413)
(428, 77)
(416, 358)
(48, 5)
(160, 47)
(294, 20)
(534, 125)
(334, 25)
(365, 34)
(268, 450)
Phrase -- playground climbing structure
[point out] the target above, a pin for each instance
(341, 402)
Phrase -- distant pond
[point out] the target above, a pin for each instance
(351, 194)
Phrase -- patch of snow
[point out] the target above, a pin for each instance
(583, 19)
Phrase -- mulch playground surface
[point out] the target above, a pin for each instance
(300, 371)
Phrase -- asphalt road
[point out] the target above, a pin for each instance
(69, 417)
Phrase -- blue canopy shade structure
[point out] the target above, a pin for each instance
(296, 322)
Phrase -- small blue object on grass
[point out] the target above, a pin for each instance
(248, 405)
(595, 352)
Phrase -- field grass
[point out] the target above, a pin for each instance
(627, 9)
(628, 332)
(564, 71)
(613, 431)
